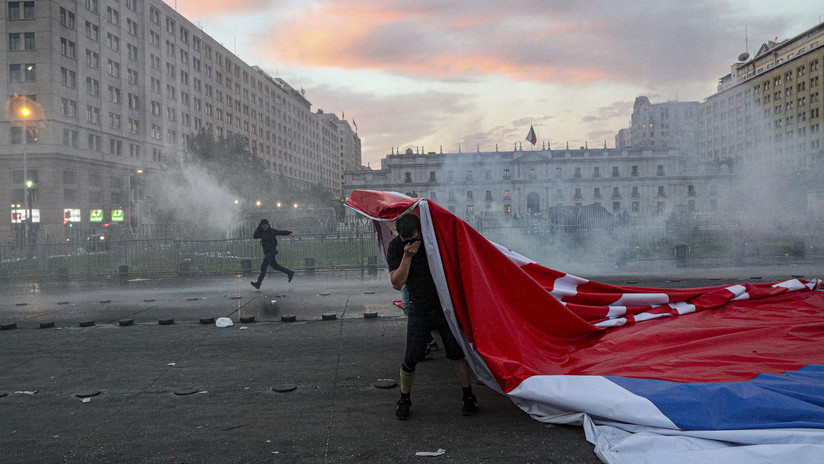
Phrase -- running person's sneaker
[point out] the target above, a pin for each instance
(470, 405)
(291, 274)
(255, 284)
(402, 411)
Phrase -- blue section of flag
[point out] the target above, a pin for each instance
(793, 399)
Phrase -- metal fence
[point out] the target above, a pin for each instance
(106, 259)
(354, 248)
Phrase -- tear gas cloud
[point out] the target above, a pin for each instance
(192, 196)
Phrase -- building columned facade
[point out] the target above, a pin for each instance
(634, 181)
(113, 89)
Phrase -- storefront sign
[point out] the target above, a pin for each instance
(71, 215)
(18, 216)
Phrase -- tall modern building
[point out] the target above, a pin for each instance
(767, 110)
(112, 89)
(671, 124)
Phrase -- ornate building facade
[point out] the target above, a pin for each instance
(636, 181)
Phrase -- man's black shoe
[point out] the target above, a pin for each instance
(470, 405)
(291, 274)
(255, 284)
(402, 412)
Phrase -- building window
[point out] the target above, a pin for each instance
(488, 195)
(69, 108)
(507, 176)
(469, 195)
(154, 15)
(70, 138)
(131, 27)
(92, 31)
(26, 73)
(94, 145)
(67, 48)
(66, 18)
(92, 87)
(92, 59)
(615, 172)
(532, 175)
(660, 170)
(92, 115)
(116, 147)
(596, 172)
(14, 10)
(661, 192)
(113, 16)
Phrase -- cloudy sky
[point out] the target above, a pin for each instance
(426, 74)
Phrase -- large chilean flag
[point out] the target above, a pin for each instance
(731, 374)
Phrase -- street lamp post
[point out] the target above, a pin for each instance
(29, 202)
(25, 113)
(136, 199)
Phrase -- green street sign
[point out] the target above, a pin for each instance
(96, 215)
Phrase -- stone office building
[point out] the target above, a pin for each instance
(114, 88)
(767, 110)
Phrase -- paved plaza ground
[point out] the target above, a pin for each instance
(169, 388)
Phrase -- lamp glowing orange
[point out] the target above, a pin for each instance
(25, 112)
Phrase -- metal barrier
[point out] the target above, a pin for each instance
(123, 259)
(359, 251)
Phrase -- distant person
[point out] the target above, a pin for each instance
(269, 240)
(408, 265)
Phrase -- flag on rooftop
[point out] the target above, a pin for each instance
(531, 137)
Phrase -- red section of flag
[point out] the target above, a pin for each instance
(524, 319)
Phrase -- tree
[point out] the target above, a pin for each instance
(229, 160)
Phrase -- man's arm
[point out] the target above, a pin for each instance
(257, 233)
(398, 276)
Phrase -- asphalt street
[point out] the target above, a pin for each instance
(155, 380)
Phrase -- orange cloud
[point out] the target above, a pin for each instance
(194, 9)
(361, 34)
(322, 36)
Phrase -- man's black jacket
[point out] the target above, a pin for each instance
(269, 238)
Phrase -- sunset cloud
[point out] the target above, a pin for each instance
(449, 73)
